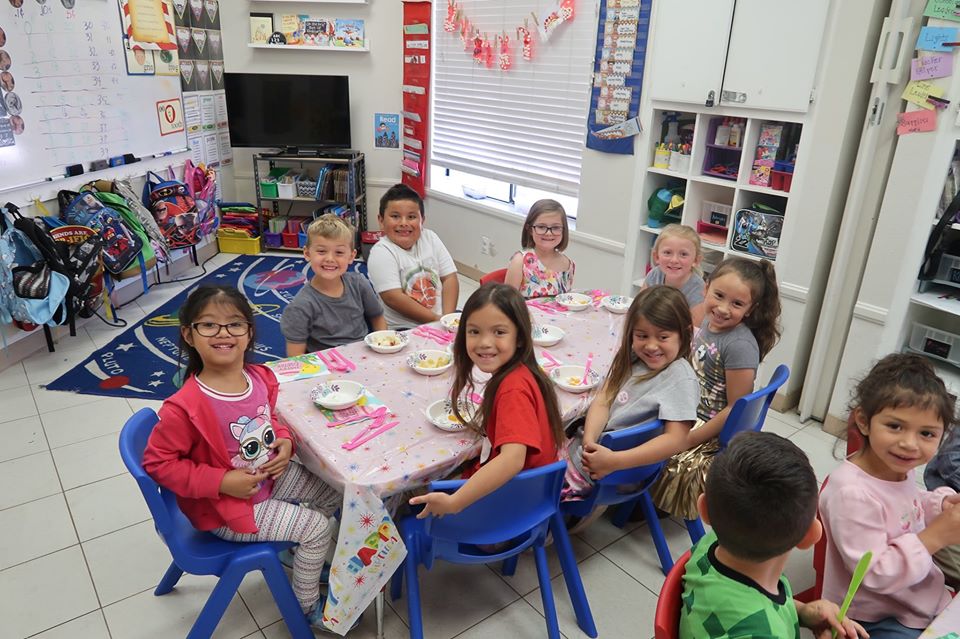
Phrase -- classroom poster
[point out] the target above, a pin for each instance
(139, 62)
(386, 130)
(148, 24)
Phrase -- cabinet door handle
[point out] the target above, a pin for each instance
(710, 99)
(737, 97)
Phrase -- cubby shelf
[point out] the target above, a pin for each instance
(709, 197)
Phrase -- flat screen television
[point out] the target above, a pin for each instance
(305, 111)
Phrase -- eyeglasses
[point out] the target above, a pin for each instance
(212, 329)
(540, 229)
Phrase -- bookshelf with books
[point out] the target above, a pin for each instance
(293, 189)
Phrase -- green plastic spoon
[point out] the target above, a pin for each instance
(855, 582)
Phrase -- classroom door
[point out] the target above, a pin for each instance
(689, 49)
(773, 53)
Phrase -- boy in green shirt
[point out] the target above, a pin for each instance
(761, 500)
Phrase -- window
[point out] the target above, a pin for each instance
(524, 127)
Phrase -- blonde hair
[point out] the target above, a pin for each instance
(330, 227)
(683, 232)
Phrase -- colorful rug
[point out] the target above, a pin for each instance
(143, 361)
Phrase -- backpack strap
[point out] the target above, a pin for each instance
(152, 180)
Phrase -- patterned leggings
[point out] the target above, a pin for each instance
(279, 520)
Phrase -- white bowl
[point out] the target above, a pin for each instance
(574, 301)
(565, 376)
(427, 362)
(616, 303)
(337, 394)
(451, 322)
(546, 335)
(386, 341)
(440, 414)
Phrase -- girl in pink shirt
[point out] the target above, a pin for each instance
(873, 502)
(220, 450)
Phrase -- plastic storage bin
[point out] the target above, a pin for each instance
(268, 185)
(233, 241)
(272, 240)
(715, 213)
(949, 269)
(306, 187)
(286, 186)
(291, 234)
(935, 343)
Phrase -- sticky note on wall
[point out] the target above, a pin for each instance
(918, 92)
(933, 38)
(942, 9)
(916, 122)
(930, 66)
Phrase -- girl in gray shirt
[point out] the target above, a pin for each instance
(650, 378)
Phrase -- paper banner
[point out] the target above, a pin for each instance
(918, 92)
(916, 122)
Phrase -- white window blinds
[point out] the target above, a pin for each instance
(526, 125)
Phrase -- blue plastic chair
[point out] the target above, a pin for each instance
(748, 413)
(520, 512)
(628, 487)
(203, 553)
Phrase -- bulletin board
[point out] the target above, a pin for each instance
(416, 94)
(74, 91)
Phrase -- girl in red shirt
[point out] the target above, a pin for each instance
(218, 448)
(519, 416)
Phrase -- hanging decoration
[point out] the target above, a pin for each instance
(494, 51)
(503, 42)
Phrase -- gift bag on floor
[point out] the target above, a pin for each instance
(369, 551)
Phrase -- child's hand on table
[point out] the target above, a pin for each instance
(598, 460)
(821, 616)
(278, 464)
(436, 504)
(241, 484)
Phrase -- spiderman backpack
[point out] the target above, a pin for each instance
(174, 209)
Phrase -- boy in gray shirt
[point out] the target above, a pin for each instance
(334, 307)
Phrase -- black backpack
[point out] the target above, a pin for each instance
(937, 244)
(79, 261)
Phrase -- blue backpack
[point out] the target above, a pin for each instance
(42, 291)
(120, 246)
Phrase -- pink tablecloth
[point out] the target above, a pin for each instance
(410, 454)
(416, 452)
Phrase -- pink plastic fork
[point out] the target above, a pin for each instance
(378, 427)
(331, 363)
(547, 356)
(436, 332)
(586, 371)
(543, 307)
(350, 366)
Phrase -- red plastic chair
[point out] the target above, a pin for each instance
(666, 621)
(497, 276)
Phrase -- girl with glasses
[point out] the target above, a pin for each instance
(219, 449)
(541, 269)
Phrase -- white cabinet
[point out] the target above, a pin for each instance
(759, 54)
(773, 53)
(690, 45)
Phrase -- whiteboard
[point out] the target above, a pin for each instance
(67, 96)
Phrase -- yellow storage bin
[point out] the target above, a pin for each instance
(232, 241)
